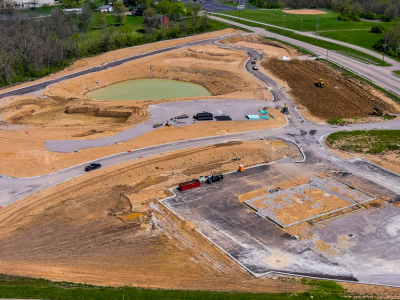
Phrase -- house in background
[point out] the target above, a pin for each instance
(106, 8)
(164, 20)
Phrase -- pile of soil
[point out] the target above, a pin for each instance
(256, 39)
(340, 98)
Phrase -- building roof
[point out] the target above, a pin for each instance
(105, 6)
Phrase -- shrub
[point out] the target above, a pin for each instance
(348, 18)
(369, 16)
(378, 29)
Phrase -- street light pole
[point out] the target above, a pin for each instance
(283, 29)
(316, 34)
(327, 52)
(301, 23)
(384, 49)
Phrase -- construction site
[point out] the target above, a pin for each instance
(288, 206)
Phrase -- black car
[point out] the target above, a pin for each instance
(213, 178)
(92, 166)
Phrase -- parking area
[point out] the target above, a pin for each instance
(360, 246)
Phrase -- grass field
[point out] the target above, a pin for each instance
(332, 46)
(326, 22)
(372, 142)
(356, 33)
(23, 287)
(396, 72)
(362, 38)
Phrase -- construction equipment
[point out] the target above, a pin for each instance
(377, 111)
(285, 109)
(320, 83)
(213, 178)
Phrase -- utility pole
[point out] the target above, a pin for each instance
(316, 34)
(384, 49)
(283, 29)
(301, 23)
(327, 52)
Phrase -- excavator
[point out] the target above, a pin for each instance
(377, 111)
(320, 83)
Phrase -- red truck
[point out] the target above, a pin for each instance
(189, 185)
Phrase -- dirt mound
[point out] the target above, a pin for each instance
(106, 228)
(340, 98)
(256, 39)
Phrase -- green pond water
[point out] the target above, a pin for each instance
(149, 89)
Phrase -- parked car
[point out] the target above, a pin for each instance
(92, 166)
(255, 68)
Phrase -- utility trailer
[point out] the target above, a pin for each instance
(204, 116)
(189, 185)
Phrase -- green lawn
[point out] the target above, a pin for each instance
(28, 288)
(356, 33)
(362, 141)
(332, 46)
(326, 22)
(396, 72)
(362, 38)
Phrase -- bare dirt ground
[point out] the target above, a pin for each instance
(23, 154)
(108, 229)
(341, 97)
(268, 47)
(305, 12)
(127, 52)
(389, 160)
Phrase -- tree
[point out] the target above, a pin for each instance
(86, 18)
(357, 9)
(391, 12)
(101, 20)
(342, 6)
(119, 12)
(174, 10)
(150, 19)
(193, 10)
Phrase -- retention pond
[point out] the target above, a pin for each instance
(149, 89)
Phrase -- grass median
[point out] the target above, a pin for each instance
(362, 141)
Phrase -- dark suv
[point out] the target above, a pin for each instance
(93, 166)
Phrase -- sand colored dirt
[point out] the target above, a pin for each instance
(301, 208)
(389, 160)
(23, 154)
(340, 98)
(76, 231)
(283, 185)
(221, 74)
(127, 52)
(305, 12)
(266, 46)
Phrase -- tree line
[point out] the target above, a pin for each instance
(34, 45)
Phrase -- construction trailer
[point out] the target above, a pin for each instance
(204, 116)
(188, 185)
